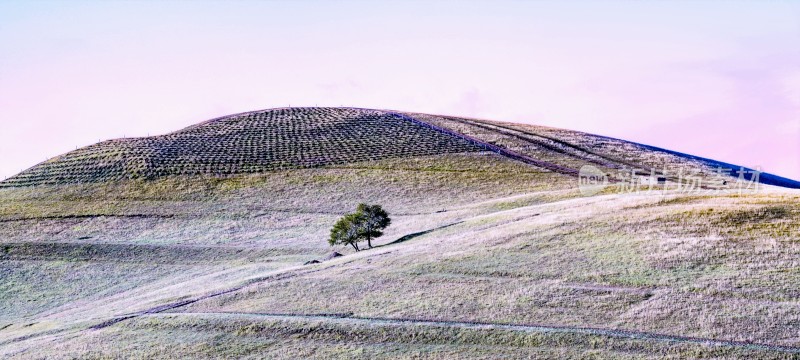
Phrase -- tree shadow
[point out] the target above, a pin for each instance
(405, 238)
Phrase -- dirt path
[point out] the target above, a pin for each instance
(162, 310)
(272, 276)
(282, 274)
(616, 333)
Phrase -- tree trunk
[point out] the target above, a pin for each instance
(369, 242)
(355, 246)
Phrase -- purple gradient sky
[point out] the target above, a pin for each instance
(715, 79)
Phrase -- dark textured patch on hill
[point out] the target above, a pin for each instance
(289, 138)
(250, 143)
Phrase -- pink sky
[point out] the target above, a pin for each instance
(715, 79)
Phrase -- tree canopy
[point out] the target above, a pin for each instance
(366, 223)
(345, 231)
(375, 219)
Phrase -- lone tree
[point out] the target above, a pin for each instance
(366, 223)
(375, 220)
(346, 231)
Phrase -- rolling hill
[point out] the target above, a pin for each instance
(267, 140)
(193, 244)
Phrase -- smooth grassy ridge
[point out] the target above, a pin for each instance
(615, 157)
(280, 207)
(618, 262)
(85, 252)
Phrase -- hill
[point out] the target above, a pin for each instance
(249, 143)
(262, 141)
(493, 251)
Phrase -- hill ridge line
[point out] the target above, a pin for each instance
(491, 147)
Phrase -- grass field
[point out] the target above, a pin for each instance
(487, 257)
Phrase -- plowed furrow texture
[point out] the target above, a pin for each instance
(249, 143)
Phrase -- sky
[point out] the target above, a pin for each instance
(718, 79)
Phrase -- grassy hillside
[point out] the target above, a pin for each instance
(488, 256)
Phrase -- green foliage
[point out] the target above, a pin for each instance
(366, 223)
(375, 219)
(346, 231)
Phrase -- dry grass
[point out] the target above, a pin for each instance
(214, 336)
(485, 239)
(644, 263)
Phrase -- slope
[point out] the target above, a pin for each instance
(267, 140)
(211, 265)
